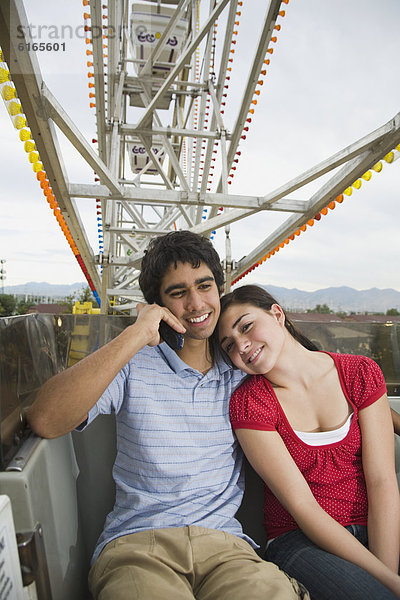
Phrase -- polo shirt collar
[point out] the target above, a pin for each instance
(178, 365)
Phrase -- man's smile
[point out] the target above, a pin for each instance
(199, 319)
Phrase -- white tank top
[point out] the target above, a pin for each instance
(323, 438)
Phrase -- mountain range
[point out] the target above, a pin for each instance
(338, 299)
(50, 290)
(342, 298)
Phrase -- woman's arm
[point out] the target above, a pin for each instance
(64, 401)
(382, 488)
(269, 456)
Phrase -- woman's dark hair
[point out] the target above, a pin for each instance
(257, 296)
(174, 247)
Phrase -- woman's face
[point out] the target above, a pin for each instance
(252, 337)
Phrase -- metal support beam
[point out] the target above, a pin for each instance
(378, 142)
(70, 130)
(174, 197)
(26, 76)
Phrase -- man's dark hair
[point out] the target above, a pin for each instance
(174, 247)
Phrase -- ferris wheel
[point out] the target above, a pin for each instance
(165, 151)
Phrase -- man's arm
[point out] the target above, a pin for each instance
(64, 401)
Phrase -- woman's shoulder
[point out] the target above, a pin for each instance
(354, 363)
(361, 375)
(254, 384)
(254, 402)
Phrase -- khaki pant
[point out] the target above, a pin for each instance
(184, 563)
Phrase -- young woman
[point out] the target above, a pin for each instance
(317, 428)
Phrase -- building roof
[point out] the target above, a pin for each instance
(52, 309)
(374, 318)
(314, 317)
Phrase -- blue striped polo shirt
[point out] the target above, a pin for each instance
(178, 462)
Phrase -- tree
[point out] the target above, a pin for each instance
(22, 306)
(392, 312)
(7, 305)
(68, 302)
(321, 309)
(341, 314)
(85, 295)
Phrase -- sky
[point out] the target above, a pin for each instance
(333, 78)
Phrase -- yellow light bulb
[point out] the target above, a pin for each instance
(37, 166)
(389, 157)
(4, 75)
(357, 184)
(8, 93)
(348, 191)
(378, 167)
(367, 176)
(29, 146)
(24, 135)
(14, 108)
(33, 157)
(19, 122)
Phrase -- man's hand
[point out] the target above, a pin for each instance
(149, 317)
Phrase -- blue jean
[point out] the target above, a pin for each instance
(325, 575)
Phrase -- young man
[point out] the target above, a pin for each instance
(172, 532)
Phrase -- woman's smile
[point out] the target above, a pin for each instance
(255, 355)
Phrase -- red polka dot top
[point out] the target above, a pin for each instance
(334, 471)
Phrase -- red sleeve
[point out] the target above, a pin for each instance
(254, 406)
(363, 379)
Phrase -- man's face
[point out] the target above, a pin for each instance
(191, 294)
